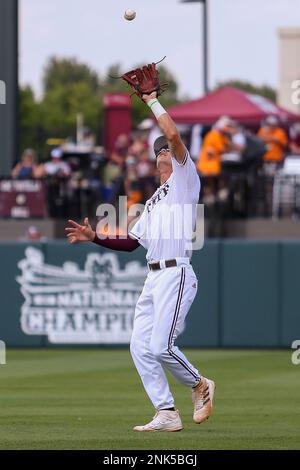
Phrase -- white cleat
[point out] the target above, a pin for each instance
(203, 395)
(164, 420)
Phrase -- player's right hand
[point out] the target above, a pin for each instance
(80, 233)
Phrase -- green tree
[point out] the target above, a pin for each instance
(61, 105)
(30, 125)
(112, 83)
(68, 72)
(171, 94)
(70, 88)
(263, 90)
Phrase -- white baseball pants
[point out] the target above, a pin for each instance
(159, 318)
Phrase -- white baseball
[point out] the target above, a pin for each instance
(129, 15)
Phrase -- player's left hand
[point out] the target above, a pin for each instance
(145, 81)
(152, 96)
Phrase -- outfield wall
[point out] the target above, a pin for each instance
(56, 294)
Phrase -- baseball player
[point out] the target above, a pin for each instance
(171, 283)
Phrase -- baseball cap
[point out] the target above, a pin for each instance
(33, 233)
(160, 144)
(223, 122)
(272, 120)
(145, 125)
(56, 153)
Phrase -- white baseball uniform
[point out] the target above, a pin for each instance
(165, 230)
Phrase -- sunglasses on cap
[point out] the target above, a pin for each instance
(161, 150)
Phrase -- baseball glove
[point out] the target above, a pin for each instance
(145, 80)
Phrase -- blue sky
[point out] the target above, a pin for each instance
(243, 37)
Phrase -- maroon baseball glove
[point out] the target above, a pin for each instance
(145, 80)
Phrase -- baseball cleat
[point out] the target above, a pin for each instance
(202, 396)
(164, 420)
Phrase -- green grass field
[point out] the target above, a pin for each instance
(91, 399)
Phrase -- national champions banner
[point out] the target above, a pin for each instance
(93, 305)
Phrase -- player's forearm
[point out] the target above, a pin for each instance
(164, 120)
(168, 127)
(118, 244)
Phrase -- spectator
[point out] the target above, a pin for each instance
(216, 142)
(33, 234)
(232, 187)
(27, 167)
(56, 167)
(214, 194)
(144, 165)
(57, 173)
(145, 126)
(138, 145)
(295, 138)
(86, 139)
(146, 172)
(120, 152)
(238, 138)
(132, 183)
(275, 138)
(276, 141)
(114, 169)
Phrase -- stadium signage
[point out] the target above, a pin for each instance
(90, 306)
(22, 199)
(2, 353)
(2, 92)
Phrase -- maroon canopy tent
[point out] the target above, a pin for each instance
(243, 107)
